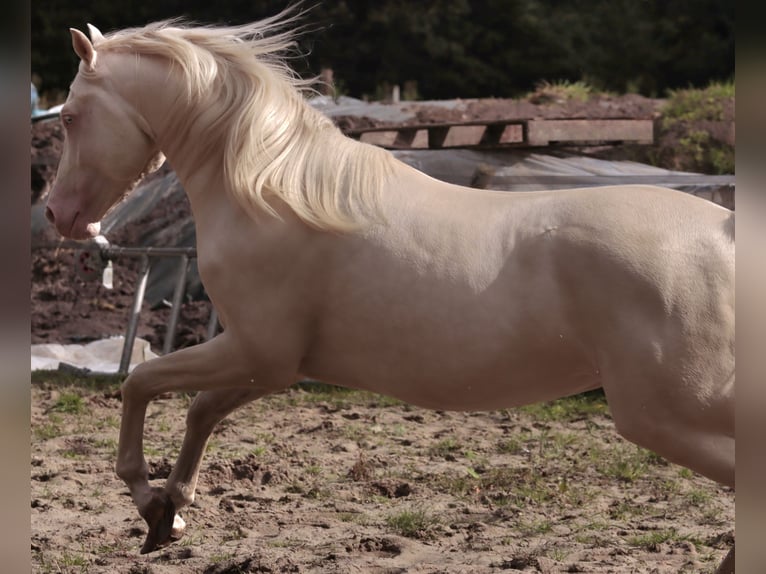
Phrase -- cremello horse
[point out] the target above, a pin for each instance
(327, 258)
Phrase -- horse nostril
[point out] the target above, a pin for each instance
(49, 215)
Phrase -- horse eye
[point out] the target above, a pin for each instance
(67, 119)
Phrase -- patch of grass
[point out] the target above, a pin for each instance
(110, 421)
(341, 397)
(62, 378)
(191, 540)
(354, 518)
(624, 510)
(560, 91)
(70, 403)
(697, 149)
(412, 523)
(592, 539)
(510, 486)
(444, 447)
(107, 444)
(695, 104)
(653, 539)
(538, 527)
(569, 409)
(554, 445)
(354, 432)
(721, 159)
(66, 562)
(510, 446)
(685, 473)
(624, 462)
(222, 557)
(50, 429)
(698, 497)
(557, 554)
(313, 470)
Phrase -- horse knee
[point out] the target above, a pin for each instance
(134, 386)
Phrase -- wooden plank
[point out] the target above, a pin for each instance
(543, 132)
(584, 180)
(399, 138)
(512, 133)
(464, 136)
(404, 138)
(379, 138)
(508, 133)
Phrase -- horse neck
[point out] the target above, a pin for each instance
(157, 93)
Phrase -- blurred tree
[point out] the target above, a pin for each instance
(450, 48)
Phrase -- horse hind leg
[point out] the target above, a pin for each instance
(208, 409)
(682, 427)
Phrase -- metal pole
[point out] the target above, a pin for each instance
(138, 300)
(176, 305)
(212, 326)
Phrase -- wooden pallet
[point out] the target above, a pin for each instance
(509, 133)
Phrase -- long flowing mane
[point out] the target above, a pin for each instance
(251, 104)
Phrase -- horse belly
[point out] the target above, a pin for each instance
(457, 373)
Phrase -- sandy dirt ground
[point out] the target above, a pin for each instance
(322, 480)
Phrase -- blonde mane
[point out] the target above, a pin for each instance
(251, 105)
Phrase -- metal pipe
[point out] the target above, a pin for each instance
(114, 250)
(212, 326)
(175, 310)
(138, 300)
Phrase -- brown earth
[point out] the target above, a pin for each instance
(314, 480)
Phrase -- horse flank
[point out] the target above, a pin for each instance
(250, 104)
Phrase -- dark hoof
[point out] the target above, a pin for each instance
(159, 516)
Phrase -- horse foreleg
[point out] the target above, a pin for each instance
(208, 409)
(216, 364)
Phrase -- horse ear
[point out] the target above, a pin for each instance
(83, 48)
(95, 35)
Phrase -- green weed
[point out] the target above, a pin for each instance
(412, 523)
(560, 91)
(70, 403)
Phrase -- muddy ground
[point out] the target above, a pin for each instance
(320, 480)
(317, 481)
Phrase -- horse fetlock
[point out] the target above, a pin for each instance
(181, 494)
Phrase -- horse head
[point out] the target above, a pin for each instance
(108, 146)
